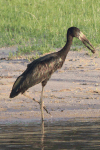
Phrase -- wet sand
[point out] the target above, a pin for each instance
(72, 92)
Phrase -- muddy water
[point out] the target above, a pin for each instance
(57, 135)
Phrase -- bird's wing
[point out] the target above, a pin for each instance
(36, 72)
(41, 69)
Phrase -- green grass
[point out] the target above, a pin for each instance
(41, 25)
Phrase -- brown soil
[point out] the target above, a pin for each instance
(72, 92)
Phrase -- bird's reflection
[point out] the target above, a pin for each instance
(42, 135)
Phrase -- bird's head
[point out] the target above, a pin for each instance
(75, 32)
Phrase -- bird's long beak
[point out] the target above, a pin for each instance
(86, 42)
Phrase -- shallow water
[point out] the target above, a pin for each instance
(57, 135)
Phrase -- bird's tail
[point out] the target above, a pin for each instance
(16, 87)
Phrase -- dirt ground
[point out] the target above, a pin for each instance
(72, 92)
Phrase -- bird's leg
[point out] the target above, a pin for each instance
(36, 101)
(41, 104)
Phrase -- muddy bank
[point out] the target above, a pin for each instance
(73, 91)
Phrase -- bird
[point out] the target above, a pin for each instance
(41, 69)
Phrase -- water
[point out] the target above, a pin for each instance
(59, 135)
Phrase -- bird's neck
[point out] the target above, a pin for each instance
(64, 51)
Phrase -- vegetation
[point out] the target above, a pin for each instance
(41, 25)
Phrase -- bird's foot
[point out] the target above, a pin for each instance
(46, 110)
(43, 106)
(26, 95)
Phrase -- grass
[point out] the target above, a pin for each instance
(41, 25)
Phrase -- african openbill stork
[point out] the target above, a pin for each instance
(41, 69)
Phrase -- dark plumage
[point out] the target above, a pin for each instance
(41, 69)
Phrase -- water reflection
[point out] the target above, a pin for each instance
(42, 136)
(55, 136)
